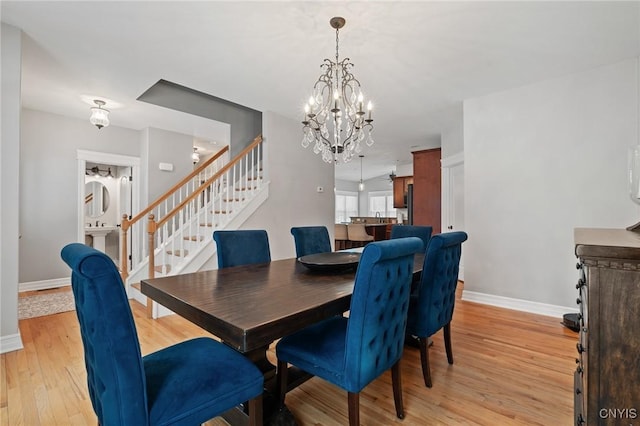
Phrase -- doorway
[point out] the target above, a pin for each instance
(108, 187)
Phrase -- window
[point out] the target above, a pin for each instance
(346, 206)
(381, 202)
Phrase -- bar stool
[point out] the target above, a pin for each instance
(358, 234)
(340, 236)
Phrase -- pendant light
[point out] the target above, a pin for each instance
(99, 116)
(361, 184)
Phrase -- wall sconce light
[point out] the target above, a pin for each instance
(96, 171)
(195, 156)
(99, 116)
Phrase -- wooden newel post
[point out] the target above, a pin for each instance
(124, 255)
(151, 229)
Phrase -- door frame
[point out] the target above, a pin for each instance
(112, 159)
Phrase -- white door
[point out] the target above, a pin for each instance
(453, 199)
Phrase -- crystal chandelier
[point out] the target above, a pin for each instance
(334, 118)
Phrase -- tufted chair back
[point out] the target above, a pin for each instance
(242, 247)
(431, 307)
(311, 240)
(115, 372)
(351, 352)
(422, 232)
(378, 313)
(437, 292)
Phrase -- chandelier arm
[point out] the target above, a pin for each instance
(317, 133)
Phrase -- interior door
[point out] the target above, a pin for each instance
(453, 205)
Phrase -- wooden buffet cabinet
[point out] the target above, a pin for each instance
(607, 378)
(427, 177)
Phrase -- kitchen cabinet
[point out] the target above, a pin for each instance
(400, 189)
(427, 177)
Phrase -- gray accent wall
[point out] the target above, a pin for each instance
(166, 147)
(49, 185)
(245, 123)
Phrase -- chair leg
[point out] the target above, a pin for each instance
(424, 358)
(354, 409)
(447, 342)
(396, 380)
(255, 411)
(281, 380)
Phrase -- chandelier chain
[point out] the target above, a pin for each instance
(337, 42)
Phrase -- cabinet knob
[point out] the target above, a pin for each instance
(578, 301)
(578, 265)
(579, 370)
(449, 227)
(578, 391)
(580, 348)
(580, 284)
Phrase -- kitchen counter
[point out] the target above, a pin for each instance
(372, 220)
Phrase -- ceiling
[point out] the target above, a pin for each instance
(417, 61)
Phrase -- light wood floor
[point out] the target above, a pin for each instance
(511, 368)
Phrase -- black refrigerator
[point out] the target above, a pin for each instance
(410, 204)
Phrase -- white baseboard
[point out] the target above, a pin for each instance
(517, 304)
(10, 343)
(44, 284)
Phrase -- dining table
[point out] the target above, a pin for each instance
(249, 307)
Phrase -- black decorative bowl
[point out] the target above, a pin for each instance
(337, 261)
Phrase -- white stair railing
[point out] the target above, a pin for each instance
(180, 223)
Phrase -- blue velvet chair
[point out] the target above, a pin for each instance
(311, 240)
(184, 384)
(352, 352)
(242, 247)
(431, 306)
(422, 232)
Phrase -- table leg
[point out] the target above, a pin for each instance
(272, 414)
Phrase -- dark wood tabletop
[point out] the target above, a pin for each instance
(249, 307)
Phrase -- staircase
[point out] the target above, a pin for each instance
(177, 235)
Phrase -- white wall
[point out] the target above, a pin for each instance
(380, 183)
(452, 137)
(9, 187)
(294, 173)
(541, 160)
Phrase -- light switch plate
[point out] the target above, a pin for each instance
(167, 167)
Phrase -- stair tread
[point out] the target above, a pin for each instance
(159, 268)
(178, 252)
